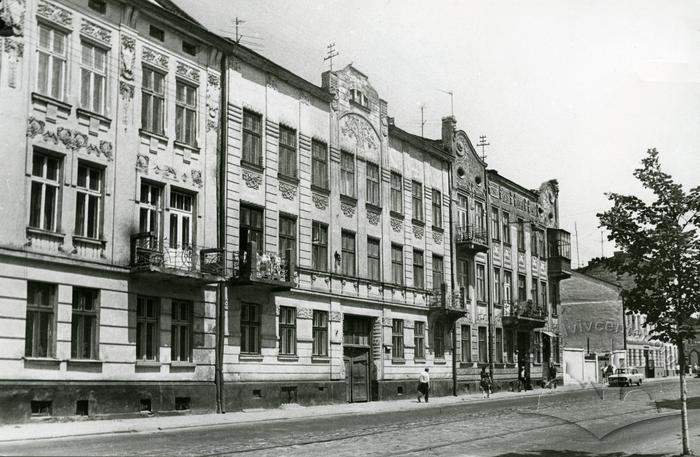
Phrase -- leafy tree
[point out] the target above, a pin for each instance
(661, 249)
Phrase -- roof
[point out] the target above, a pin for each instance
(512, 183)
(580, 288)
(176, 10)
(432, 146)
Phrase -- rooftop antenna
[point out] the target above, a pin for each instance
(238, 22)
(332, 52)
(578, 259)
(483, 144)
(422, 120)
(452, 100)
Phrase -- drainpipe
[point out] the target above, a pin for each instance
(221, 235)
(489, 272)
(453, 254)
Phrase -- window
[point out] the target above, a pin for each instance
(480, 283)
(521, 235)
(250, 328)
(320, 333)
(189, 48)
(506, 228)
(373, 196)
(537, 347)
(45, 194)
(554, 296)
(495, 225)
(438, 277)
(417, 199)
(348, 247)
(319, 164)
(181, 331)
(98, 5)
(358, 97)
(462, 212)
(418, 274)
(347, 174)
(373, 263)
(507, 291)
(288, 152)
(180, 219)
(439, 340)
(496, 286)
(288, 330)
(437, 208)
(252, 138)
(479, 216)
(251, 227)
(93, 76)
(499, 345)
(288, 235)
(51, 53)
(147, 328)
(419, 340)
(396, 193)
(185, 113)
(397, 339)
(89, 201)
(533, 291)
(483, 349)
(509, 346)
(84, 324)
(156, 33)
(543, 294)
(466, 344)
(39, 330)
(150, 208)
(319, 246)
(555, 349)
(522, 294)
(397, 264)
(153, 101)
(463, 279)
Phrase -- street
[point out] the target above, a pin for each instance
(601, 421)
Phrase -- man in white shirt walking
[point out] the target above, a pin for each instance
(424, 385)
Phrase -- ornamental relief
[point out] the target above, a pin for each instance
(95, 31)
(252, 180)
(13, 15)
(187, 71)
(437, 237)
(14, 48)
(373, 217)
(128, 57)
(288, 191)
(304, 313)
(348, 209)
(154, 57)
(418, 232)
(356, 128)
(72, 139)
(55, 14)
(320, 201)
(213, 95)
(396, 224)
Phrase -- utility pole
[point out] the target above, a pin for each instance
(483, 144)
(602, 252)
(330, 54)
(578, 259)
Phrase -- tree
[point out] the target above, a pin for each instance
(661, 249)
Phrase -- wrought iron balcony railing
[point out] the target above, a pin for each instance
(471, 234)
(252, 265)
(526, 309)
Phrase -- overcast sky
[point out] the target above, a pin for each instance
(572, 90)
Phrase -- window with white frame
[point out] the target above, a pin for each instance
(186, 113)
(438, 273)
(320, 333)
(347, 174)
(397, 264)
(250, 328)
(39, 330)
(466, 339)
(288, 152)
(150, 208)
(153, 101)
(480, 283)
(396, 193)
(45, 192)
(88, 208)
(497, 286)
(147, 328)
(181, 331)
(319, 246)
(507, 286)
(419, 340)
(505, 224)
(93, 77)
(417, 199)
(288, 330)
(397, 339)
(348, 255)
(51, 68)
(181, 209)
(287, 235)
(373, 259)
(418, 269)
(252, 138)
(84, 343)
(373, 184)
(437, 208)
(319, 164)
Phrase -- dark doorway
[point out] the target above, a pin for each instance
(356, 355)
(648, 364)
(524, 356)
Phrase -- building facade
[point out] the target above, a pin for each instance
(179, 206)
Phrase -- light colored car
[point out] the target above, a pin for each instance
(625, 377)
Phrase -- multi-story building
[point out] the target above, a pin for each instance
(110, 160)
(510, 255)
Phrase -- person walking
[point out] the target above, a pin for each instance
(485, 383)
(424, 385)
(552, 380)
(522, 384)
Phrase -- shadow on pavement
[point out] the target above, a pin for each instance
(692, 403)
(553, 453)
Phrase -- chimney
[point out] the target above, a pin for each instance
(449, 124)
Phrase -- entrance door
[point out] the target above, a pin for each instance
(524, 355)
(546, 354)
(648, 365)
(356, 374)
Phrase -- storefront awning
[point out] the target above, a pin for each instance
(548, 333)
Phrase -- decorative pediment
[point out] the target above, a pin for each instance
(358, 134)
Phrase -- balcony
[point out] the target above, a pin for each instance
(472, 238)
(149, 257)
(267, 271)
(524, 314)
(559, 260)
(446, 304)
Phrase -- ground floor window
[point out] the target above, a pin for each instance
(147, 328)
(288, 330)
(320, 333)
(466, 344)
(499, 345)
(419, 340)
(84, 324)
(181, 331)
(483, 348)
(439, 340)
(39, 331)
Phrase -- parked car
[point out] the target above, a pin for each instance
(625, 377)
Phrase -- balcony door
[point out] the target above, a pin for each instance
(181, 250)
(462, 211)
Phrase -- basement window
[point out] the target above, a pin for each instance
(146, 405)
(182, 403)
(41, 408)
(82, 408)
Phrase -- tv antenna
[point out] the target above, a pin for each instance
(244, 39)
(422, 119)
(332, 52)
(483, 144)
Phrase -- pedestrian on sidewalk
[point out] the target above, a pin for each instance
(522, 383)
(552, 379)
(485, 383)
(424, 385)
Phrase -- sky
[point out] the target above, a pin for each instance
(572, 90)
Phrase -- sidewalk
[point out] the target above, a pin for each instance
(52, 430)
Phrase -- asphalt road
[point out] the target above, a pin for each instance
(603, 422)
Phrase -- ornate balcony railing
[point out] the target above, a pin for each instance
(448, 302)
(250, 265)
(148, 253)
(472, 236)
(528, 310)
